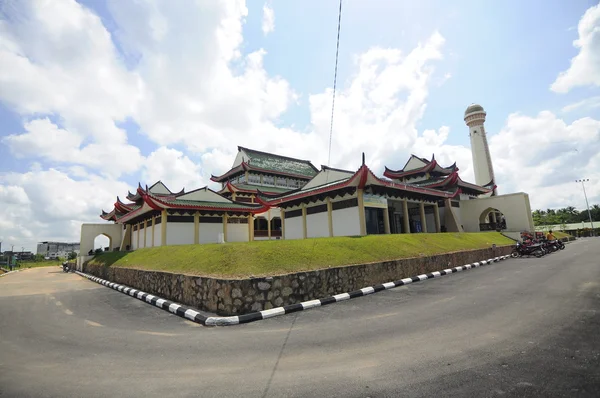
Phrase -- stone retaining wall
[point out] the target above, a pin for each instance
(235, 297)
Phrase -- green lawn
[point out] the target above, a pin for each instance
(561, 235)
(262, 258)
(36, 264)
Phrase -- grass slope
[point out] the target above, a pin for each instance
(37, 264)
(261, 258)
(561, 235)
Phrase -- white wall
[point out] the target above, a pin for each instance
(430, 220)
(481, 160)
(515, 207)
(90, 231)
(293, 228)
(209, 232)
(237, 232)
(317, 225)
(157, 234)
(345, 222)
(134, 239)
(180, 233)
(149, 234)
(327, 176)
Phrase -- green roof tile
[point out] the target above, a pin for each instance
(263, 188)
(210, 204)
(269, 161)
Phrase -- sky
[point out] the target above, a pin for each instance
(97, 96)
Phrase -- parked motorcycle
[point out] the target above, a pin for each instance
(65, 267)
(559, 244)
(534, 249)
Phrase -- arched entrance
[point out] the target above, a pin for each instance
(492, 219)
(94, 236)
(103, 243)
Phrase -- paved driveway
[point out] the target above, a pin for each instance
(523, 327)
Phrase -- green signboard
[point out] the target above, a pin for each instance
(371, 200)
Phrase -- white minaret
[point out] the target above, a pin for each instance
(482, 161)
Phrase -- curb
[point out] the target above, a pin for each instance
(9, 272)
(195, 316)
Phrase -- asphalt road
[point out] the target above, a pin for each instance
(517, 328)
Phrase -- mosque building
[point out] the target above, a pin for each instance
(269, 196)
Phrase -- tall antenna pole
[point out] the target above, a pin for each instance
(337, 50)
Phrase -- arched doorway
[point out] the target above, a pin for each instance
(102, 243)
(492, 219)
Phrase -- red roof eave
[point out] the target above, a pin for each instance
(159, 204)
(363, 174)
(400, 173)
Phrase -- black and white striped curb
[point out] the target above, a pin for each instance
(195, 316)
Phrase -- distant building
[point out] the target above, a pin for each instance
(57, 249)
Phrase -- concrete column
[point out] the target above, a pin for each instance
(138, 236)
(493, 217)
(225, 218)
(153, 225)
(163, 228)
(282, 223)
(233, 196)
(386, 221)
(269, 224)
(436, 216)
(330, 216)
(126, 238)
(423, 219)
(361, 212)
(250, 228)
(197, 227)
(405, 217)
(304, 232)
(145, 231)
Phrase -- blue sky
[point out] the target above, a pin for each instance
(168, 108)
(503, 55)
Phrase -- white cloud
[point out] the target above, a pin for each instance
(48, 205)
(544, 156)
(203, 95)
(45, 140)
(268, 21)
(57, 58)
(586, 104)
(585, 66)
(174, 169)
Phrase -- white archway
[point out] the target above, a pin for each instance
(103, 241)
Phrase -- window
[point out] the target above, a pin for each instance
(281, 182)
(242, 179)
(254, 179)
(268, 180)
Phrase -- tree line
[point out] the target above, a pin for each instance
(567, 215)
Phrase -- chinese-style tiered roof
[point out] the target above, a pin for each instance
(418, 167)
(269, 163)
(158, 188)
(159, 197)
(361, 179)
(453, 182)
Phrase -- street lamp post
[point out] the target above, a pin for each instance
(582, 181)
